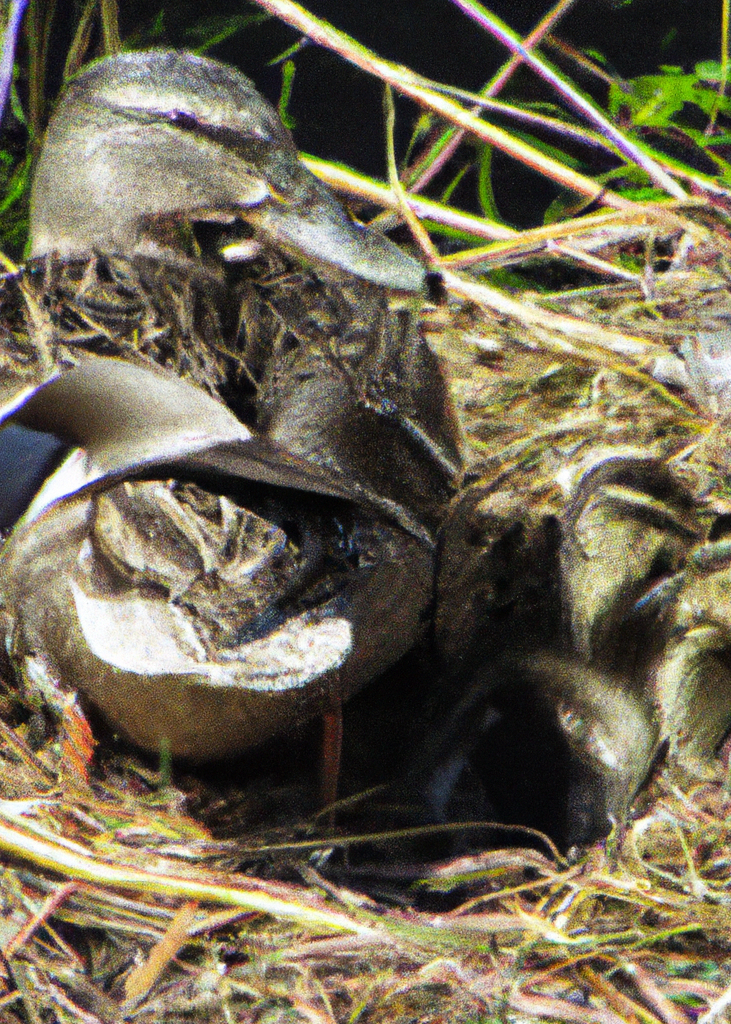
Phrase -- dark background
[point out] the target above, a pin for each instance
(337, 109)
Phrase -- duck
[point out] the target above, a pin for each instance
(242, 468)
(169, 141)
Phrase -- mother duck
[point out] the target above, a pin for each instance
(269, 560)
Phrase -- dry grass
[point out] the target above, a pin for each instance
(118, 906)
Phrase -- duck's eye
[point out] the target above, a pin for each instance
(183, 119)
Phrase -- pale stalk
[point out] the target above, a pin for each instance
(47, 855)
(505, 35)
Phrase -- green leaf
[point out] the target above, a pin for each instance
(709, 71)
(288, 70)
(210, 32)
(447, 194)
(485, 191)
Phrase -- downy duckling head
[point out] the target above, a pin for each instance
(544, 741)
(152, 136)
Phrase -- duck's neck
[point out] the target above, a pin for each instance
(147, 309)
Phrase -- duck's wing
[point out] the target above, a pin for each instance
(208, 615)
(123, 420)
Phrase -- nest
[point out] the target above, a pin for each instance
(130, 893)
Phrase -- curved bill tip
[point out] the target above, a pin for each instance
(324, 234)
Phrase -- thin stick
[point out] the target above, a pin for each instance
(49, 908)
(110, 26)
(534, 239)
(48, 855)
(580, 59)
(445, 147)
(498, 29)
(724, 66)
(420, 234)
(38, 29)
(80, 42)
(579, 134)
(7, 59)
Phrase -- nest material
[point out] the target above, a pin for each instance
(119, 904)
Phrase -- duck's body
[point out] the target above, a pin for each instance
(211, 614)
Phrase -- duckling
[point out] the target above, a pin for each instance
(545, 741)
(548, 649)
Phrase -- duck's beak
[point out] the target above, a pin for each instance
(313, 226)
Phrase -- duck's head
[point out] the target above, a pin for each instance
(164, 135)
